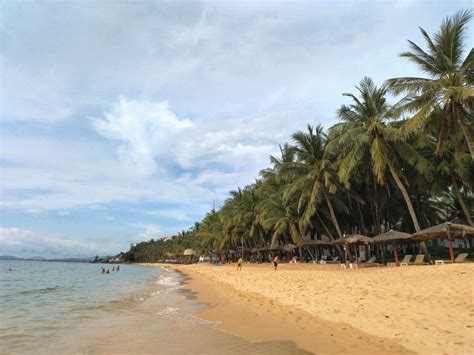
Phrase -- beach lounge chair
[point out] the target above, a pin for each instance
(335, 260)
(370, 262)
(459, 259)
(406, 260)
(419, 260)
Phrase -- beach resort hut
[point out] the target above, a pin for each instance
(189, 256)
(444, 230)
(393, 238)
(353, 240)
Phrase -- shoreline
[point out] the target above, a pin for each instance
(258, 318)
(417, 309)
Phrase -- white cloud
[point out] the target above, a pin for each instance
(23, 242)
(239, 79)
(145, 129)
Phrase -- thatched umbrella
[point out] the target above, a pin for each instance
(289, 248)
(355, 239)
(445, 230)
(352, 239)
(275, 247)
(392, 237)
(315, 242)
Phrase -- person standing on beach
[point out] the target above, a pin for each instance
(239, 264)
(275, 262)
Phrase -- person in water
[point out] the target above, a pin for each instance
(118, 268)
(275, 262)
(113, 269)
(102, 270)
(108, 271)
(239, 264)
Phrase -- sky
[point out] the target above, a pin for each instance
(123, 121)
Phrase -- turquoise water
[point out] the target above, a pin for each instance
(40, 300)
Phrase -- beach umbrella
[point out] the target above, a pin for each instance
(355, 239)
(445, 230)
(352, 239)
(315, 242)
(391, 237)
(275, 247)
(289, 247)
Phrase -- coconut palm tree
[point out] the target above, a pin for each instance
(239, 216)
(312, 176)
(364, 137)
(455, 169)
(277, 214)
(210, 231)
(446, 98)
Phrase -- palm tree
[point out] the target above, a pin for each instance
(446, 98)
(277, 214)
(210, 231)
(312, 177)
(364, 138)
(455, 169)
(239, 216)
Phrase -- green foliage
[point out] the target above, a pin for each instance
(380, 167)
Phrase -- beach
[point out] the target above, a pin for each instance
(323, 309)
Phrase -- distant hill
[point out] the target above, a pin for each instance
(9, 257)
(36, 258)
(40, 258)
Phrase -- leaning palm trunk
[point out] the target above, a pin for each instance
(333, 215)
(329, 234)
(466, 130)
(411, 210)
(461, 202)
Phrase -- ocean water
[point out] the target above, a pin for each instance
(71, 308)
(40, 300)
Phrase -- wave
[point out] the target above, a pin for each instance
(168, 281)
(39, 290)
(168, 310)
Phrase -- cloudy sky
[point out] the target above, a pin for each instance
(122, 121)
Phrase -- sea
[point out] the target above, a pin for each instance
(72, 308)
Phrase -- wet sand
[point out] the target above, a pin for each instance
(160, 321)
(417, 309)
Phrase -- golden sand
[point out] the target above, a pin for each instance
(425, 309)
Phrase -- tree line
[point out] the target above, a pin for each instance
(405, 165)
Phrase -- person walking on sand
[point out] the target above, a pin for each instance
(239, 264)
(275, 262)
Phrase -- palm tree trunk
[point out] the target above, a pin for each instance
(404, 192)
(466, 130)
(461, 201)
(333, 215)
(329, 233)
(411, 210)
(361, 218)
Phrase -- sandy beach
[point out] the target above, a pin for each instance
(323, 309)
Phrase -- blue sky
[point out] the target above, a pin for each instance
(123, 121)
